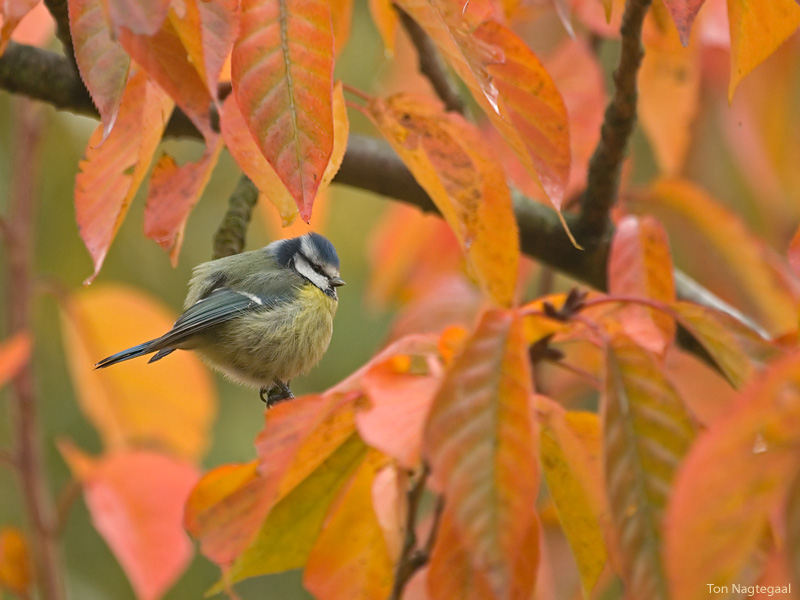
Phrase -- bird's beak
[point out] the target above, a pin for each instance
(337, 281)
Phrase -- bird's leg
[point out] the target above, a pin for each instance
(277, 393)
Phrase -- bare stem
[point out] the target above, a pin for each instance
(602, 183)
(27, 451)
(231, 235)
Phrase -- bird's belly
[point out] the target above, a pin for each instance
(280, 343)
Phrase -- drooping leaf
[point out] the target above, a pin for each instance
(760, 438)
(245, 151)
(454, 575)
(136, 500)
(509, 83)
(207, 29)
(728, 247)
(140, 17)
(669, 95)
(174, 190)
(14, 353)
(447, 158)
(111, 174)
(640, 265)
(102, 62)
(574, 485)
(341, 18)
(350, 558)
(169, 404)
(683, 13)
(166, 61)
(757, 30)
(282, 68)
(11, 13)
(16, 571)
(385, 18)
(646, 431)
(480, 444)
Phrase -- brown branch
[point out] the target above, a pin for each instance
(602, 182)
(60, 13)
(230, 237)
(431, 64)
(30, 467)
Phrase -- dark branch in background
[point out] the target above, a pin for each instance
(60, 13)
(431, 65)
(602, 182)
(232, 232)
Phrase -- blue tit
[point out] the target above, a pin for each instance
(261, 317)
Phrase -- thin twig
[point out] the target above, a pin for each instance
(407, 564)
(24, 401)
(64, 503)
(431, 64)
(231, 235)
(602, 182)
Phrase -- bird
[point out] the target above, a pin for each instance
(261, 317)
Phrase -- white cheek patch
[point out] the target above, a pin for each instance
(302, 266)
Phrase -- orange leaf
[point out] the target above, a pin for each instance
(14, 354)
(341, 18)
(647, 431)
(757, 29)
(102, 62)
(166, 61)
(399, 404)
(449, 160)
(480, 444)
(350, 558)
(683, 13)
(168, 404)
(282, 68)
(385, 18)
(136, 501)
(509, 83)
(174, 191)
(728, 247)
(111, 174)
(15, 563)
(669, 95)
(142, 17)
(453, 574)
(11, 13)
(245, 151)
(760, 436)
(207, 29)
(640, 265)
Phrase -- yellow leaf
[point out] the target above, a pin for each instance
(448, 158)
(757, 29)
(15, 563)
(168, 404)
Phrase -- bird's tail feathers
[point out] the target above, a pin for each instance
(134, 352)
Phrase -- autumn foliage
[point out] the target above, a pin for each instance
(519, 435)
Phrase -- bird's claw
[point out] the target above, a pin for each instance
(275, 393)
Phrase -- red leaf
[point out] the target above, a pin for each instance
(11, 13)
(683, 13)
(173, 193)
(110, 175)
(142, 17)
(136, 500)
(102, 62)
(480, 444)
(640, 265)
(282, 68)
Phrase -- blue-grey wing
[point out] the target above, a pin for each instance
(220, 306)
